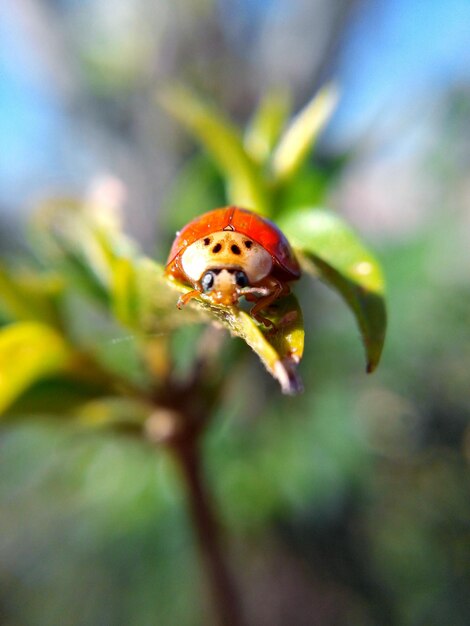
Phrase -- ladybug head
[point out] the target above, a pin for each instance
(224, 286)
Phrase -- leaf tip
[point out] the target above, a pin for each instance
(286, 374)
(373, 361)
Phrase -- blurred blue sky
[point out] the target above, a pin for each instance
(32, 115)
(394, 53)
(400, 54)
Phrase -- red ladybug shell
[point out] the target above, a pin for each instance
(258, 228)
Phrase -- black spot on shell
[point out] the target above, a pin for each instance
(235, 249)
(248, 244)
(217, 248)
(207, 241)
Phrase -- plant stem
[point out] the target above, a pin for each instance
(220, 581)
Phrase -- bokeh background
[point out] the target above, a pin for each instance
(350, 504)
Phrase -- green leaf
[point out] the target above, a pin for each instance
(197, 184)
(124, 300)
(29, 296)
(298, 139)
(280, 350)
(56, 395)
(113, 411)
(331, 250)
(144, 299)
(29, 351)
(287, 339)
(83, 241)
(245, 186)
(103, 263)
(308, 188)
(64, 238)
(266, 125)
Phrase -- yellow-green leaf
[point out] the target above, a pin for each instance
(29, 296)
(111, 411)
(124, 297)
(144, 299)
(83, 240)
(245, 186)
(29, 351)
(280, 350)
(301, 134)
(266, 125)
(331, 250)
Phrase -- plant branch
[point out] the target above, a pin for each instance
(220, 581)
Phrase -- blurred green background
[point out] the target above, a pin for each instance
(346, 505)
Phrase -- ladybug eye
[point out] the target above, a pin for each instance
(207, 281)
(241, 279)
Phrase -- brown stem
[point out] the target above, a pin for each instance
(219, 578)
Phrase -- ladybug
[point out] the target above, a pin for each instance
(232, 252)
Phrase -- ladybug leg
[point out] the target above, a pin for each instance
(277, 289)
(257, 316)
(264, 320)
(185, 298)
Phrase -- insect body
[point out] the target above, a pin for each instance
(232, 252)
